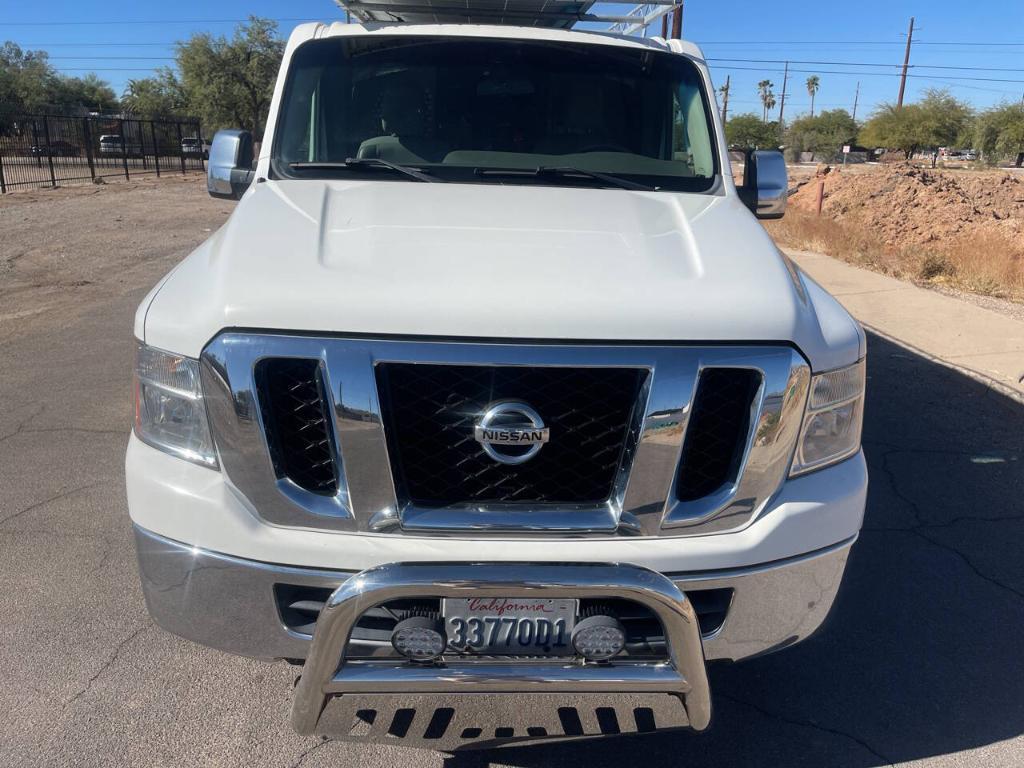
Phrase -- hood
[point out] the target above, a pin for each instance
(491, 262)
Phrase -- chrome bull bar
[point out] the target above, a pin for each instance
(328, 675)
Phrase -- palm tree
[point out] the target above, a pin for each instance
(813, 82)
(764, 91)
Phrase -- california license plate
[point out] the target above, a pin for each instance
(510, 626)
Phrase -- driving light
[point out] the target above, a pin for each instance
(169, 409)
(597, 638)
(832, 423)
(419, 638)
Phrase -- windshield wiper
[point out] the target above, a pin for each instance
(363, 162)
(566, 171)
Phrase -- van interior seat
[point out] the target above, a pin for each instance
(403, 123)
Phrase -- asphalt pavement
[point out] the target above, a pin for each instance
(921, 661)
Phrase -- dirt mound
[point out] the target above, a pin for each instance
(905, 205)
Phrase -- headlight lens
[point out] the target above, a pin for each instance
(832, 424)
(169, 409)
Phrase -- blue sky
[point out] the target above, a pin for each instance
(976, 50)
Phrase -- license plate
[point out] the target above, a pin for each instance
(510, 626)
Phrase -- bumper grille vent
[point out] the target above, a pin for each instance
(300, 606)
(430, 410)
(295, 416)
(717, 434)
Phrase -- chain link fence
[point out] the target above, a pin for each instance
(52, 150)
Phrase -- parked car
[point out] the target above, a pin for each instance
(110, 144)
(113, 144)
(56, 149)
(195, 146)
(493, 383)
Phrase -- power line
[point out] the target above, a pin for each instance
(799, 42)
(140, 21)
(961, 42)
(964, 85)
(869, 64)
(805, 61)
(858, 42)
(90, 45)
(109, 69)
(108, 58)
(870, 74)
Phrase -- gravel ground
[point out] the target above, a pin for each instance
(66, 250)
(920, 662)
(1014, 309)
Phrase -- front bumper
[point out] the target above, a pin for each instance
(229, 603)
(326, 683)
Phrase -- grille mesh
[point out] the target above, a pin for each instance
(430, 411)
(716, 435)
(295, 416)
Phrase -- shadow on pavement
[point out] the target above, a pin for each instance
(922, 655)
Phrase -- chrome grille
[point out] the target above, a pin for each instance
(429, 412)
(297, 423)
(717, 434)
(328, 457)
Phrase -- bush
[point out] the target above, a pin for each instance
(748, 131)
(999, 132)
(825, 134)
(935, 265)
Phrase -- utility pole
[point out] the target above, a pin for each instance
(664, 27)
(856, 98)
(677, 22)
(782, 100)
(725, 100)
(906, 62)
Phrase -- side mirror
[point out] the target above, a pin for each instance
(765, 187)
(229, 170)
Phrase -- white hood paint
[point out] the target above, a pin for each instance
(495, 262)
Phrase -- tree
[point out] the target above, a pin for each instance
(894, 128)
(158, 96)
(83, 94)
(764, 92)
(28, 83)
(999, 131)
(749, 132)
(947, 120)
(824, 134)
(26, 79)
(937, 120)
(230, 82)
(813, 83)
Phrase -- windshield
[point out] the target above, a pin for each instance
(462, 109)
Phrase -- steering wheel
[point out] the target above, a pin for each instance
(604, 148)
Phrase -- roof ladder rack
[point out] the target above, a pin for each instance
(526, 13)
(641, 17)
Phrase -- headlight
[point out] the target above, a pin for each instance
(169, 409)
(832, 424)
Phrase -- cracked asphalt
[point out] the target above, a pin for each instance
(921, 661)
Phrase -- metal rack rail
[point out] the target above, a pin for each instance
(530, 13)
